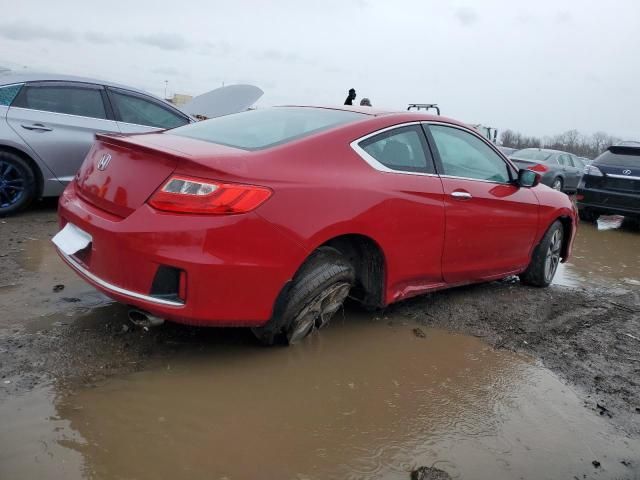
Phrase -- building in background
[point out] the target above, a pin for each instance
(179, 99)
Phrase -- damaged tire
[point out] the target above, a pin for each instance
(315, 294)
(545, 258)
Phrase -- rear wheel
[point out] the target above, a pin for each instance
(557, 184)
(17, 183)
(587, 215)
(317, 292)
(545, 259)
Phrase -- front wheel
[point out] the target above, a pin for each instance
(17, 183)
(557, 184)
(545, 259)
(317, 292)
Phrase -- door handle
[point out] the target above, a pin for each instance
(461, 195)
(36, 126)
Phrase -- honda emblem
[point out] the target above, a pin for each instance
(103, 163)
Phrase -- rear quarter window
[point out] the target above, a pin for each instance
(8, 93)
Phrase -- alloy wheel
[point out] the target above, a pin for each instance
(552, 258)
(557, 184)
(12, 184)
(318, 313)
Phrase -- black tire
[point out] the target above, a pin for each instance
(316, 292)
(557, 184)
(17, 183)
(587, 215)
(545, 258)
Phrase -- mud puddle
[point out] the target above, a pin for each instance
(365, 399)
(45, 286)
(604, 255)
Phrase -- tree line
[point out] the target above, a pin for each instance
(572, 141)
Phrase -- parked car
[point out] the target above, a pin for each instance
(611, 184)
(47, 126)
(271, 218)
(507, 150)
(559, 170)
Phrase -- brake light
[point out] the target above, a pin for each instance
(593, 171)
(181, 194)
(539, 168)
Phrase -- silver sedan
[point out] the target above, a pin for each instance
(48, 123)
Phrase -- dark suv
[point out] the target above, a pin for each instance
(611, 184)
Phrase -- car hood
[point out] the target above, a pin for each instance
(223, 101)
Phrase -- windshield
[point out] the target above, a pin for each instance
(259, 129)
(531, 154)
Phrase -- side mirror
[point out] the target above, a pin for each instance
(528, 178)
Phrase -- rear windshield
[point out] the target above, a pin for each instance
(527, 154)
(258, 129)
(621, 157)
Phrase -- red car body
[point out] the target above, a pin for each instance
(233, 267)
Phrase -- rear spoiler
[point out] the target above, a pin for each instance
(628, 148)
(130, 141)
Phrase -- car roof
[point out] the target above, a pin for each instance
(347, 108)
(548, 150)
(9, 77)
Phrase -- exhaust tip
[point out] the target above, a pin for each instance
(141, 318)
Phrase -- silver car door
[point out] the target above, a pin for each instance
(58, 120)
(136, 112)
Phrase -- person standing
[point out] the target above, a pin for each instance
(351, 97)
(365, 102)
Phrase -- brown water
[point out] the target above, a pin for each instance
(604, 255)
(362, 400)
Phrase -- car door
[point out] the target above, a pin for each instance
(412, 230)
(136, 112)
(491, 223)
(58, 120)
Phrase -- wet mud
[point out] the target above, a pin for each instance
(487, 381)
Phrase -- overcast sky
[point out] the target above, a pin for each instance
(538, 67)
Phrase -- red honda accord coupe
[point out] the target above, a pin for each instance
(271, 218)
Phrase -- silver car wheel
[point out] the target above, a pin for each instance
(552, 258)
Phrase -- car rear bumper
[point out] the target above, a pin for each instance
(607, 202)
(234, 266)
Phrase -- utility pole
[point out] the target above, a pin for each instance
(166, 82)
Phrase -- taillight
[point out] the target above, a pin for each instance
(593, 171)
(183, 194)
(539, 168)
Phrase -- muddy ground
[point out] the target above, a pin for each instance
(55, 328)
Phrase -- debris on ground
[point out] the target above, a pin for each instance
(418, 332)
(429, 473)
(596, 463)
(58, 288)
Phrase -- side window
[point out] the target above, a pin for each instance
(464, 155)
(562, 160)
(8, 93)
(572, 161)
(85, 101)
(403, 149)
(136, 109)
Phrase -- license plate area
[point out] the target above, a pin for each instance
(71, 240)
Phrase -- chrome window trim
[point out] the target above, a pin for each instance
(507, 162)
(628, 177)
(12, 85)
(65, 114)
(375, 163)
(108, 286)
